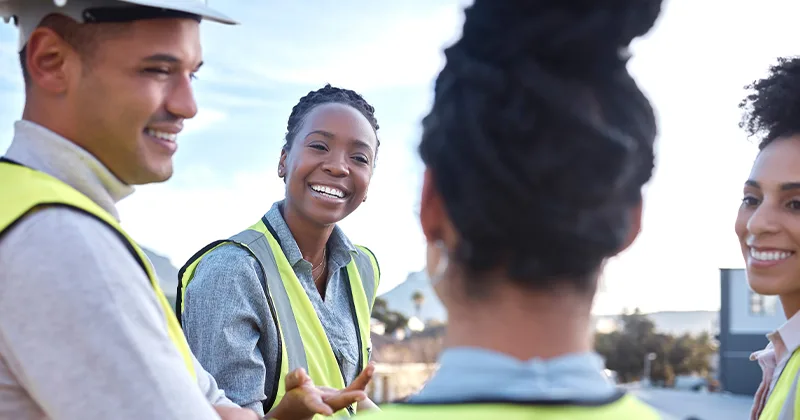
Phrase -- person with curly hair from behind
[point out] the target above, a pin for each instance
(536, 150)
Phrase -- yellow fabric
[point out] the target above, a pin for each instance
(322, 365)
(24, 190)
(626, 408)
(780, 393)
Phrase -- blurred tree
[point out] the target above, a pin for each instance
(418, 298)
(392, 320)
(625, 351)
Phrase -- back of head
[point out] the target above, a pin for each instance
(539, 141)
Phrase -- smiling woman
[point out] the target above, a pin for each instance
(768, 227)
(292, 291)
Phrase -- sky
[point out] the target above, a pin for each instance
(693, 66)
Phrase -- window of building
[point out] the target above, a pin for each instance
(763, 305)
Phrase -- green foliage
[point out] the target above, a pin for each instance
(626, 349)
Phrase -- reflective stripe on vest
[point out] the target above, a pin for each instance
(303, 341)
(787, 387)
(622, 407)
(24, 189)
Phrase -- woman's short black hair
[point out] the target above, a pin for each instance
(539, 140)
(327, 94)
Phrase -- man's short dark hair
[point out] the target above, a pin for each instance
(83, 38)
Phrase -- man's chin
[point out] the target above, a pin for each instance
(153, 176)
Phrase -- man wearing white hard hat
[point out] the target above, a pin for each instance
(85, 331)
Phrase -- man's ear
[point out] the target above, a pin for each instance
(50, 61)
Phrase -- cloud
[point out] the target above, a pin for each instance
(206, 117)
(359, 46)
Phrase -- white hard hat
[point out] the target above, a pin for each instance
(28, 14)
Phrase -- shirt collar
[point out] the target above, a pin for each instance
(469, 373)
(786, 339)
(339, 246)
(43, 150)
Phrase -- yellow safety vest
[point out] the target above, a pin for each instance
(783, 390)
(303, 341)
(24, 189)
(621, 407)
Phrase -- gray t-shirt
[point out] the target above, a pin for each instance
(82, 335)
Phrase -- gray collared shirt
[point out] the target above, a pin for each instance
(229, 325)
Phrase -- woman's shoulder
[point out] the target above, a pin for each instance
(226, 258)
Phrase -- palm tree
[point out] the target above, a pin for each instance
(418, 298)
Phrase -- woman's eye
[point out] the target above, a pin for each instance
(361, 159)
(318, 147)
(794, 204)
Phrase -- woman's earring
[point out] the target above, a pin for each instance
(441, 266)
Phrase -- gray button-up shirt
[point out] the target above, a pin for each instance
(229, 325)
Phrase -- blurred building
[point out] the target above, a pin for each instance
(744, 321)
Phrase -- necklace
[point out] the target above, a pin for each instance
(323, 264)
(324, 251)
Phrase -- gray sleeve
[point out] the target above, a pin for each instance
(229, 325)
(81, 329)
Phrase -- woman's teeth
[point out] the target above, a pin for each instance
(334, 192)
(770, 255)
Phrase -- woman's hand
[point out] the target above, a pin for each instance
(303, 400)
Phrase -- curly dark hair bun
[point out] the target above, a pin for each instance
(539, 140)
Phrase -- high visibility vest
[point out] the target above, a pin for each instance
(302, 339)
(621, 407)
(24, 189)
(786, 387)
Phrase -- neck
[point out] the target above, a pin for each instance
(310, 238)
(43, 116)
(523, 324)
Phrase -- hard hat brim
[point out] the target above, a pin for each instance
(189, 6)
(194, 7)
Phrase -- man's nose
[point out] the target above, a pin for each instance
(181, 100)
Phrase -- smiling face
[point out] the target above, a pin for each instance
(329, 165)
(137, 95)
(125, 98)
(768, 223)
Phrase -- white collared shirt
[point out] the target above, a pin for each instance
(773, 359)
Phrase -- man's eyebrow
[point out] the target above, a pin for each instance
(168, 58)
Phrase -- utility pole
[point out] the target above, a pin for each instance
(648, 360)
